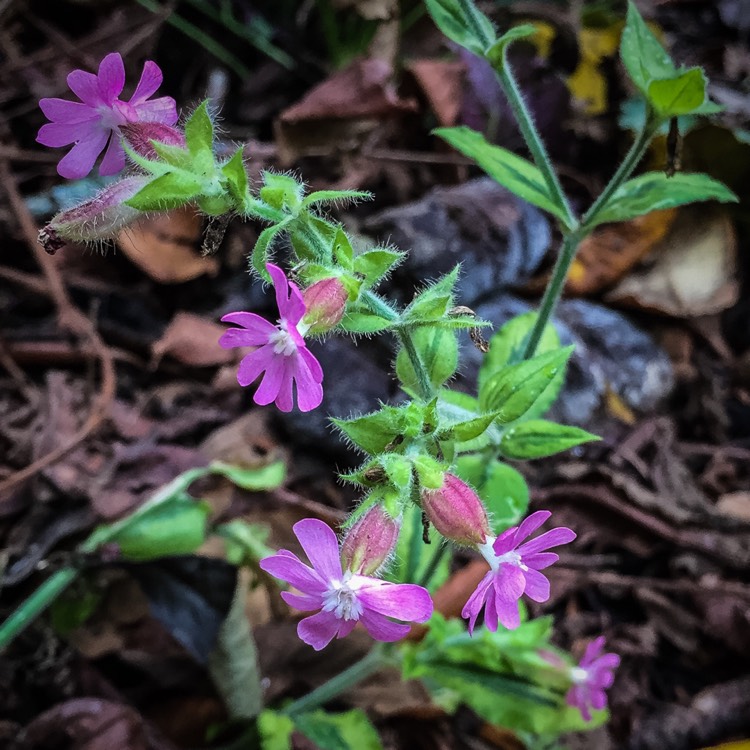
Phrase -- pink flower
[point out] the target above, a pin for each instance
(343, 598)
(591, 678)
(94, 122)
(514, 570)
(281, 353)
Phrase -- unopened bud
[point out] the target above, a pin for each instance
(456, 512)
(99, 218)
(138, 135)
(370, 542)
(325, 302)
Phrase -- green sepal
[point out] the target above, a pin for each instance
(260, 253)
(167, 192)
(430, 471)
(175, 156)
(511, 171)
(199, 132)
(365, 323)
(236, 178)
(513, 391)
(538, 438)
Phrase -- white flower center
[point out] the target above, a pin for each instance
(495, 560)
(341, 598)
(282, 340)
(579, 675)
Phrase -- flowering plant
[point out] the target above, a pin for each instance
(435, 464)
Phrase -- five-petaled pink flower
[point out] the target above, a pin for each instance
(281, 354)
(343, 598)
(514, 570)
(591, 678)
(94, 122)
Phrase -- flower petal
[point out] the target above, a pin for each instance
(490, 612)
(111, 77)
(253, 323)
(85, 86)
(288, 567)
(598, 698)
(79, 161)
(302, 602)
(383, 629)
(607, 661)
(253, 364)
(284, 398)
(509, 582)
(507, 613)
(537, 585)
(404, 601)
(268, 389)
(309, 391)
(114, 158)
(321, 547)
(163, 110)
(531, 524)
(540, 560)
(593, 650)
(319, 630)
(475, 602)
(66, 112)
(506, 541)
(316, 371)
(150, 80)
(55, 134)
(551, 538)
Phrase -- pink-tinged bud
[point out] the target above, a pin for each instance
(456, 512)
(138, 135)
(325, 303)
(99, 218)
(370, 542)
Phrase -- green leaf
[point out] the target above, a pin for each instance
(281, 191)
(438, 350)
(259, 478)
(538, 438)
(342, 249)
(432, 303)
(350, 730)
(373, 432)
(518, 175)
(655, 190)
(176, 526)
(496, 53)
(502, 489)
(73, 608)
(199, 131)
(169, 191)
(514, 390)
(642, 54)
(375, 264)
(464, 25)
(260, 254)
(468, 429)
(364, 322)
(173, 155)
(234, 171)
(233, 662)
(680, 95)
(275, 730)
(340, 197)
(244, 543)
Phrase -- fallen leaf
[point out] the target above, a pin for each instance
(735, 504)
(693, 269)
(442, 82)
(605, 256)
(194, 341)
(166, 247)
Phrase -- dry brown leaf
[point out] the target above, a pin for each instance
(166, 247)
(442, 82)
(693, 272)
(194, 341)
(611, 251)
(736, 504)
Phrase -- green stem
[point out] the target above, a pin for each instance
(36, 604)
(533, 141)
(359, 671)
(437, 557)
(572, 240)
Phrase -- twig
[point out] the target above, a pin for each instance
(69, 319)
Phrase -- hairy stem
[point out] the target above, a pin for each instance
(371, 663)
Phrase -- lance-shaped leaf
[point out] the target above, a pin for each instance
(236, 178)
(373, 432)
(513, 172)
(438, 350)
(538, 438)
(655, 190)
(513, 391)
(463, 23)
(432, 303)
(376, 264)
(167, 192)
(365, 323)
(199, 130)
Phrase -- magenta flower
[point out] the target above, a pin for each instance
(514, 570)
(343, 598)
(591, 678)
(281, 353)
(94, 122)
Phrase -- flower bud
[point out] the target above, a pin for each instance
(369, 543)
(99, 218)
(456, 512)
(138, 135)
(325, 302)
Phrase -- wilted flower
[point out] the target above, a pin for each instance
(282, 355)
(370, 541)
(94, 122)
(514, 571)
(344, 598)
(591, 678)
(456, 512)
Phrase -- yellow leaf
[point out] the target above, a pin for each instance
(587, 82)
